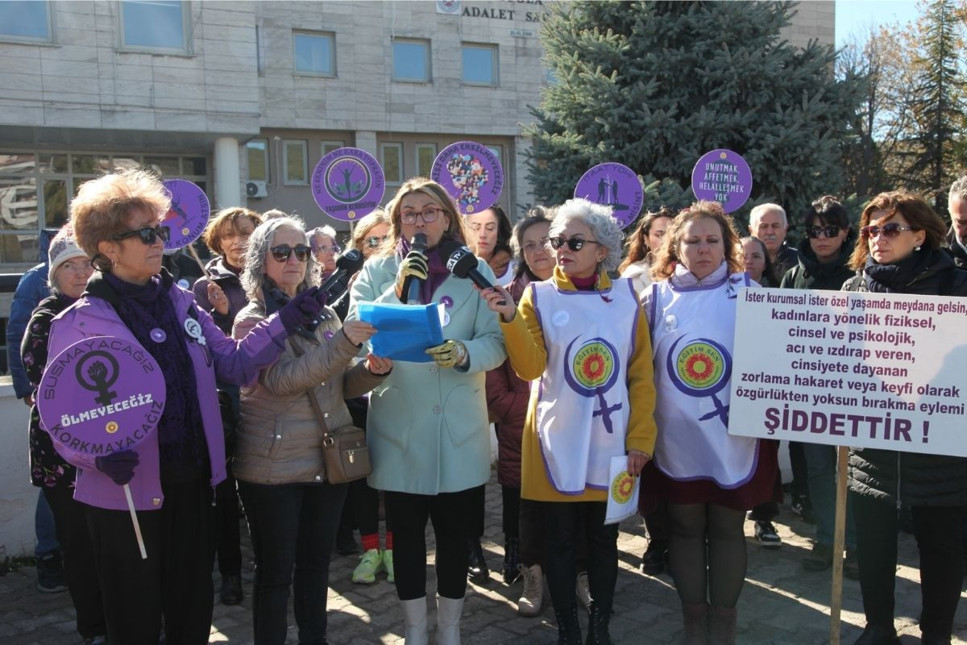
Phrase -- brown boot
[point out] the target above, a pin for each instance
(721, 625)
(695, 617)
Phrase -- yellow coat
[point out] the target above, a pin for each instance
(528, 356)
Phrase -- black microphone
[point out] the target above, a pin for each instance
(411, 285)
(347, 265)
(462, 263)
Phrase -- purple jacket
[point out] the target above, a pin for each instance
(237, 362)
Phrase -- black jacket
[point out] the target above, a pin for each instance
(810, 274)
(955, 250)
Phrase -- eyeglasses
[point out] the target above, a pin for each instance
(326, 249)
(530, 247)
(375, 240)
(889, 230)
(282, 252)
(829, 231)
(147, 234)
(574, 243)
(77, 267)
(429, 215)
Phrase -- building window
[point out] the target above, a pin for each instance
(314, 53)
(25, 19)
(329, 146)
(425, 154)
(258, 159)
(295, 163)
(391, 158)
(153, 24)
(411, 61)
(480, 64)
(498, 152)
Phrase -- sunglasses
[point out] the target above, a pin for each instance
(147, 234)
(374, 241)
(830, 230)
(575, 243)
(282, 252)
(889, 230)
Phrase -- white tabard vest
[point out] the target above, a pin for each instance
(582, 399)
(692, 331)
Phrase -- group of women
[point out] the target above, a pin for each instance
(630, 369)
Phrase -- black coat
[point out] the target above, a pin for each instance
(810, 274)
(912, 478)
(955, 250)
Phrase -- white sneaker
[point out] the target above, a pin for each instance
(583, 590)
(532, 598)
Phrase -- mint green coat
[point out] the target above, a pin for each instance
(428, 429)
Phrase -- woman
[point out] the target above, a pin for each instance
(428, 426)
(824, 264)
(69, 270)
(490, 230)
(324, 249)
(758, 264)
(117, 221)
(707, 477)
(371, 232)
(293, 512)
(900, 251)
(579, 419)
(641, 246)
(220, 293)
(507, 397)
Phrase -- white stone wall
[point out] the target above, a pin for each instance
(18, 497)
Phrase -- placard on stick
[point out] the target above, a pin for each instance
(615, 185)
(348, 184)
(722, 176)
(188, 214)
(471, 173)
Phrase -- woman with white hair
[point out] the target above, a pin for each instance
(585, 337)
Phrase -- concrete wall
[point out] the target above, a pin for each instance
(17, 496)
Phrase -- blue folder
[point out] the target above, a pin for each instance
(403, 332)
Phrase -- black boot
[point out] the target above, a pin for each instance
(477, 569)
(568, 626)
(511, 560)
(598, 625)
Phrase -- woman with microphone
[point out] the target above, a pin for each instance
(428, 428)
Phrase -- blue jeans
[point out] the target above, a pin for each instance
(821, 466)
(44, 528)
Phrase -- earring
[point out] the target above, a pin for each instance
(917, 248)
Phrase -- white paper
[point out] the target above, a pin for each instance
(622, 493)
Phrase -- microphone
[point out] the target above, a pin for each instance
(347, 265)
(462, 263)
(411, 288)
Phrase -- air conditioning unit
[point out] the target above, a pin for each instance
(256, 189)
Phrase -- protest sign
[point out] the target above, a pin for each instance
(722, 176)
(188, 214)
(348, 184)
(615, 185)
(851, 369)
(471, 173)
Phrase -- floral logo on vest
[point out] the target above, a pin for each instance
(702, 368)
(593, 371)
(622, 487)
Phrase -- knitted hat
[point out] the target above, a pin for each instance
(63, 248)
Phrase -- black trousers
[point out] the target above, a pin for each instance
(565, 524)
(228, 535)
(293, 528)
(451, 515)
(531, 532)
(938, 530)
(174, 582)
(70, 519)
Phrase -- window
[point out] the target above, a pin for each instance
(391, 158)
(153, 24)
(425, 154)
(498, 152)
(25, 19)
(411, 61)
(329, 146)
(314, 53)
(258, 159)
(480, 64)
(295, 163)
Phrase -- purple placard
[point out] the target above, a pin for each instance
(471, 173)
(348, 184)
(722, 176)
(188, 215)
(615, 185)
(101, 395)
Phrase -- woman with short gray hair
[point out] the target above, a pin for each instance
(585, 337)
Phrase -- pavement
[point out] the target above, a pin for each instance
(781, 604)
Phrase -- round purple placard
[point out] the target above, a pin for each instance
(722, 176)
(615, 185)
(347, 184)
(471, 173)
(188, 215)
(101, 395)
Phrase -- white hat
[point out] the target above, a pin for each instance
(63, 248)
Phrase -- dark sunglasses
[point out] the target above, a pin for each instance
(889, 230)
(147, 234)
(830, 230)
(282, 252)
(574, 243)
(374, 241)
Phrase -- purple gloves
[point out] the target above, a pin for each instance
(302, 309)
(119, 466)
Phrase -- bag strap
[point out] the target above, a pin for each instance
(314, 404)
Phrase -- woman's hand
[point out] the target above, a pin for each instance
(499, 300)
(637, 461)
(217, 299)
(378, 364)
(357, 331)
